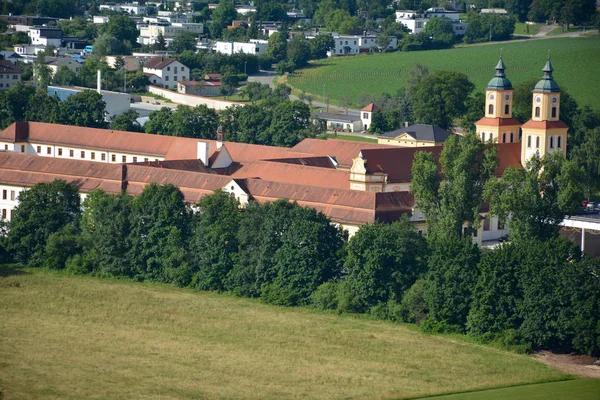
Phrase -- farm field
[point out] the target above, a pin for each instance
(576, 63)
(83, 337)
(581, 389)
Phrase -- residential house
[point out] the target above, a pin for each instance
(11, 56)
(116, 103)
(149, 32)
(200, 88)
(167, 72)
(54, 64)
(412, 20)
(10, 75)
(419, 135)
(254, 47)
(340, 122)
(45, 36)
(366, 115)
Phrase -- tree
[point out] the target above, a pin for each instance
(383, 261)
(44, 209)
(214, 242)
(441, 32)
(86, 108)
(320, 45)
(535, 200)
(298, 51)
(161, 43)
(289, 125)
(108, 45)
(185, 40)
(475, 111)
(199, 122)
(157, 240)
(440, 97)
(256, 91)
(65, 77)
(14, 103)
(122, 28)
(43, 108)
(41, 71)
(105, 226)
(222, 16)
(126, 122)
(587, 158)
(277, 47)
(467, 165)
(160, 122)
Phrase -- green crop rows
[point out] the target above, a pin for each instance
(576, 63)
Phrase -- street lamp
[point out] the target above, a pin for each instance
(245, 62)
(490, 32)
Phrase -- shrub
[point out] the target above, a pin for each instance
(413, 307)
(326, 297)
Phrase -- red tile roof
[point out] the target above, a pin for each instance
(498, 122)
(369, 107)
(544, 124)
(158, 62)
(343, 150)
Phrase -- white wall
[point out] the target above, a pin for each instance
(192, 100)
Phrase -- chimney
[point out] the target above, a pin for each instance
(406, 124)
(203, 153)
(99, 82)
(220, 134)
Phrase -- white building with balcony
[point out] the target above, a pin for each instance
(254, 46)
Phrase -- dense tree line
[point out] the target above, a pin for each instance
(25, 103)
(535, 292)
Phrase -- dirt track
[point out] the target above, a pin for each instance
(570, 364)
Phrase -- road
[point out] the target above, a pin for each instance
(267, 77)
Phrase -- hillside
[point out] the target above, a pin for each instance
(576, 63)
(83, 337)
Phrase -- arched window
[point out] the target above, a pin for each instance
(537, 142)
(551, 142)
(537, 112)
(504, 137)
(528, 141)
(483, 136)
(506, 109)
(553, 112)
(491, 109)
(558, 144)
(511, 137)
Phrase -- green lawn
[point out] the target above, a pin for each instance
(65, 337)
(522, 28)
(576, 63)
(581, 389)
(347, 137)
(560, 30)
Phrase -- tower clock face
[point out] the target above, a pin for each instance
(554, 99)
(507, 97)
(491, 97)
(538, 99)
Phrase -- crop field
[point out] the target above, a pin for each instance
(66, 337)
(576, 64)
(582, 389)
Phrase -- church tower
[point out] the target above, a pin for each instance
(498, 124)
(544, 133)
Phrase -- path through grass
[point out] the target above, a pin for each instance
(67, 337)
(581, 389)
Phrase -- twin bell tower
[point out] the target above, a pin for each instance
(544, 133)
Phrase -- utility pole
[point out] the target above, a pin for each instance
(490, 32)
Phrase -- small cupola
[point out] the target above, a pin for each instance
(499, 81)
(547, 84)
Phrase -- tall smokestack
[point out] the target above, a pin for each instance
(99, 82)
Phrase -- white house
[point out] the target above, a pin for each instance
(340, 122)
(167, 72)
(366, 42)
(345, 45)
(132, 9)
(412, 20)
(254, 47)
(366, 115)
(149, 33)
(437, 12)
(45, 36)
(100, 19)
(9, 75)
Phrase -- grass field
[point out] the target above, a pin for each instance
(521, 28)
(576, 64)
(582, 389)
(560, 30)
(67, 337)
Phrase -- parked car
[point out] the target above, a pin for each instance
(592, 205)
(503, 239)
